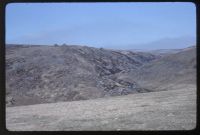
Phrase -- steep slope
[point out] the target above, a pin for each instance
(169, 71)
(41, 74)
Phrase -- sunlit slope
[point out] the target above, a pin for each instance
(167, 72)
(164, 110)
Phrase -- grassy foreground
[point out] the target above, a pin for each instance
(164, 110)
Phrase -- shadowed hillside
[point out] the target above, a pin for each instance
(43, 74)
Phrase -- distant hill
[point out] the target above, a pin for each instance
(43, 74)
(172, 43)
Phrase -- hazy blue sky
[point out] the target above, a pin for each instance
(109, 25)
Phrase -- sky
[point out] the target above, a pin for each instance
(121, 25)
